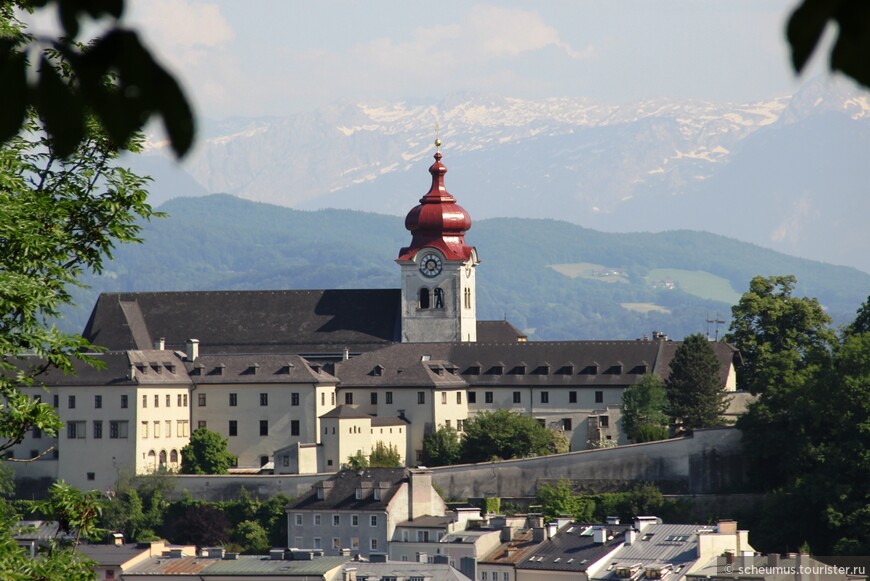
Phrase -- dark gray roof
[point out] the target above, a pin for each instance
(573, 548)
(498, 332)
(111, 555)
(256, 368)
(306, 321)
(134, 367)
(345, 411)
(545, 363)
(341, 491)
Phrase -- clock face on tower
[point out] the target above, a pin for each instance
(430, 265)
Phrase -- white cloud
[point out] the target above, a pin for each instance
(185, 30)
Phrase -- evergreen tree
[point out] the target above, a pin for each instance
(206, 454)
(643, 410)
(694, 389)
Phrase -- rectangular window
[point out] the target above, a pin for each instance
(234, 428)
(599, 397)
(298, 519)
(168, 400)
(567, 424)
(373, 520)
(421, 397)
(373, 398)
(354, 545)
(336, 520)
(75, 430)
(286, 460)
(294, 427)
(201, 424)
(156, 401)
(459, 397)
(354, 520)
(294, 399)
(472, 397)
(572, 397)
(234, 400)
(92, 475)
(317, 520)
(118, 429)
(264, 427)
(447, 423)
(98, 429)
(182, 428)
(72, 402)
(545, 397)
(55, 401)
(144, 429)
(604, 421)
(157, 429)
(460, 425)
(264, 399)
(487, 397)
(518, 397)
(178, 402)
(389, 397)
(168, 428)
(443, 397)
(184, 400)
(317, 543)
(348, 398)
(125, 401)
(144, 401)
(336, 543)
(332, 398)
(98, 401)
(373, 543)
(200, 400)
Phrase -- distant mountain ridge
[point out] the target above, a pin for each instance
(788, 173)
(556, 280)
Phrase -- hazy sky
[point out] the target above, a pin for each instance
(279, 56)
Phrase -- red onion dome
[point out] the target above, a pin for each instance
(438, 221)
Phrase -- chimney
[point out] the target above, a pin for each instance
(160, 343)
(468, 567)
(552, 527)
(727, 527)
(118, 539)
(729, 557)
(507, 534)
(192, 349)
(538, 534)
(422, 557)
(613, 520)
(441, 559)
(420, 495)
(377, 557)
(773, 560)
(345, 355)
(630, 537)
(599, 535)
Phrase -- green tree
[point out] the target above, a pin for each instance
(861, 324)
(504, 434)
(643, 410)
(206, 454)
(66, 82)
(694, 389)
(441, 447)
(358, 461)
(779, 336)
(77, 513)
(200, 524)
(385, 456)
(559, 500)
(252, 537)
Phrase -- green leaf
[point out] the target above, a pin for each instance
(60, 108)
(13, 97)
(805, 28)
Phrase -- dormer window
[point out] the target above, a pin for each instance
(320, 494)
(376, 493)
(378, 370)
(359, 493)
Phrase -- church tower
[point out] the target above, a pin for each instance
(438, 292)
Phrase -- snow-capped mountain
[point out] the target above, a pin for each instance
(772, 172)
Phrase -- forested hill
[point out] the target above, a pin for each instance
(553, 279)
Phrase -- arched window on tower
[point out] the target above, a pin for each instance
(424, 298)
(439, 298)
